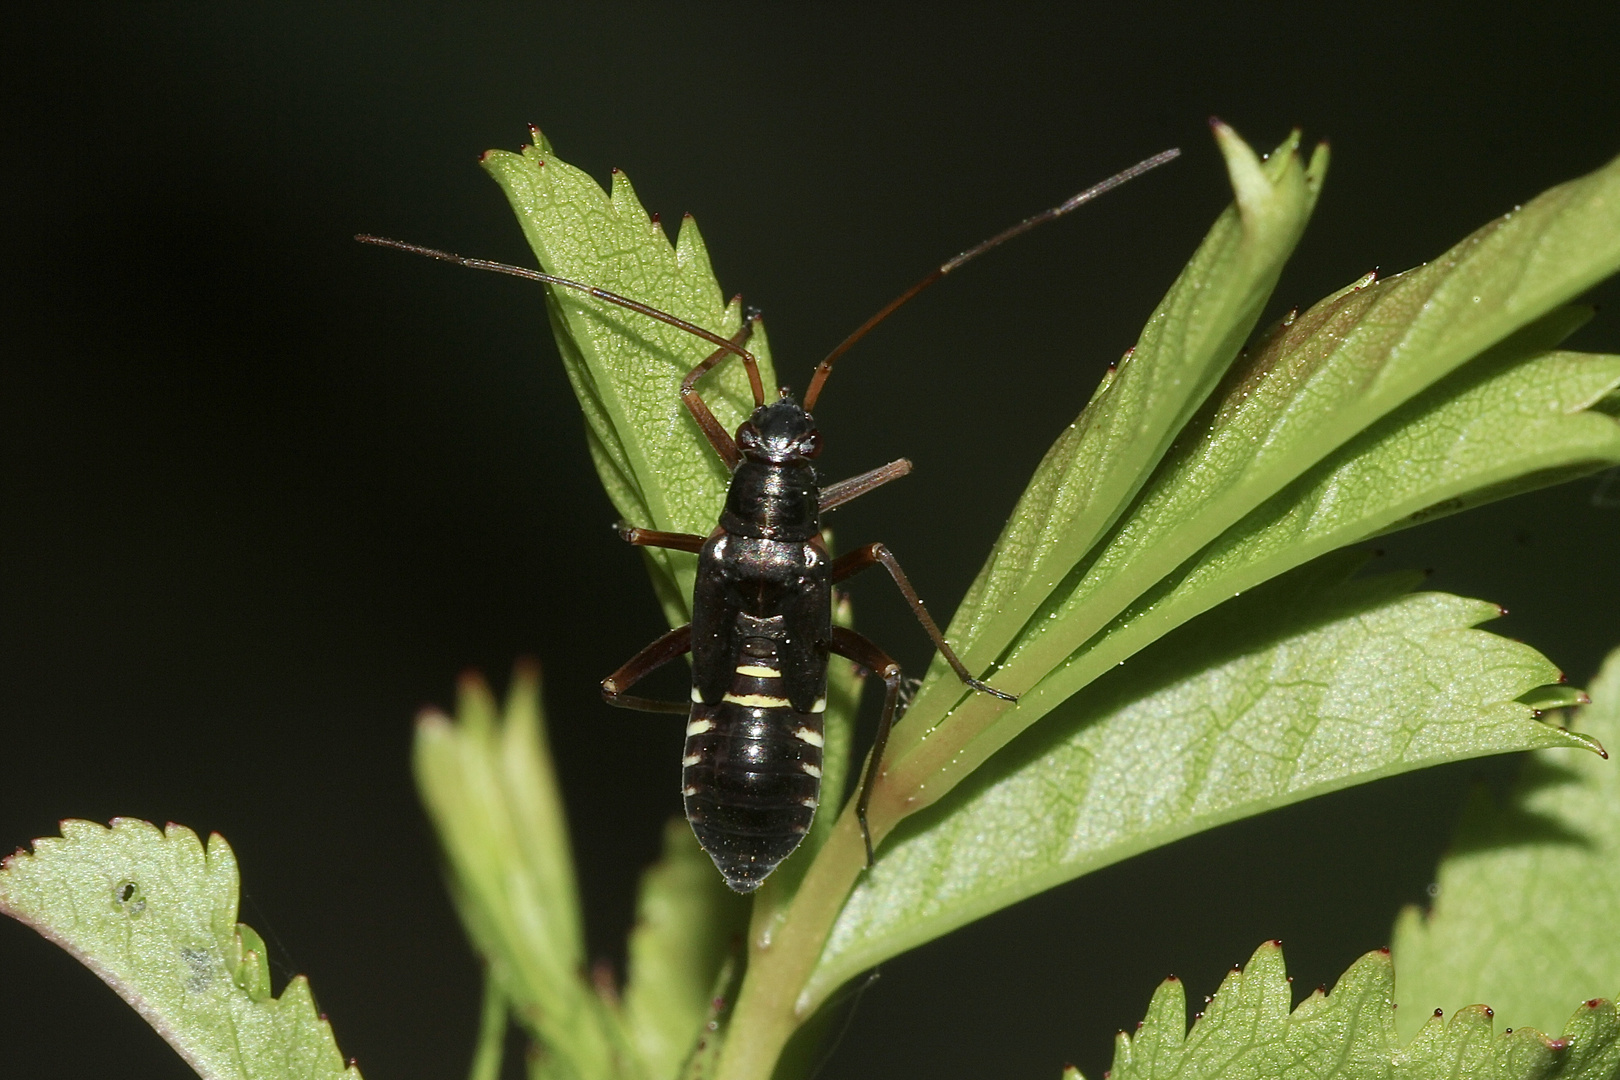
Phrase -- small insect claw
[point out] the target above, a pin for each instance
(986, 688)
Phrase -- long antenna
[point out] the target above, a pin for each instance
(1073, 202)
(749, 362)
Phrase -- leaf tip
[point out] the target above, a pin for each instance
(1316, 169)
(431, 721)
(541, 143)
(1248, 178)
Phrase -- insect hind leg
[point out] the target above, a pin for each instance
(879, 554)
(847, 643)
(676, 643)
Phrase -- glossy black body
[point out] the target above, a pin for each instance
(761, 629)
(761, 635)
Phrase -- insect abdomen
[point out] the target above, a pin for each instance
(751, 774)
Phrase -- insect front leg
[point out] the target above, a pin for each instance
(850, 645)
(719, 437)
(676, 643)
(855, 561)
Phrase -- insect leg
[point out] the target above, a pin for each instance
(847, 643)
(834, 495)
(719, 437)
(652, 538)
(677, 642)
(872, 554)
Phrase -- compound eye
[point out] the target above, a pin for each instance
(810, 445)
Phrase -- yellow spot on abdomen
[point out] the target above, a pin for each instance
(757, 701)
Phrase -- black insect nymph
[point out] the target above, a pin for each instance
(761, 631)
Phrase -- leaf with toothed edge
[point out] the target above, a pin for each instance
(1101, 460)
(154, 915)
(1316, 383)
(1309, 684)
(626, 368)
(1517, 418)
(1250, 1028)
(1527, 911)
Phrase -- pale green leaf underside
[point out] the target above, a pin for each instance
(1329, 374)
(1101, 460)
(154, 915)
(687, 921)
(1514, 419)
(1528, 914)
(1316, 383)
(491, 792)
(626, 368)
(1309, 684)
(1250, 1030)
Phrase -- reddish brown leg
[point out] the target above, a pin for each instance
(677, 642)
(719, 437)
(872, 554)
(652, 538)
(848, 643)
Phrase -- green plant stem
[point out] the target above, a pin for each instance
(785, 946)
(486, 1063)
(771, 1004)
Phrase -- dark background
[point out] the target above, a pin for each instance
(266, 492)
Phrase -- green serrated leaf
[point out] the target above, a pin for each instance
(1249, 1029)
(1513, 420)
(1315, 383)
(1309, 684)
(491, 791)
(626, 368)
(154, 915)
(1100, 462)
(687, 925)
(1527, 917)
